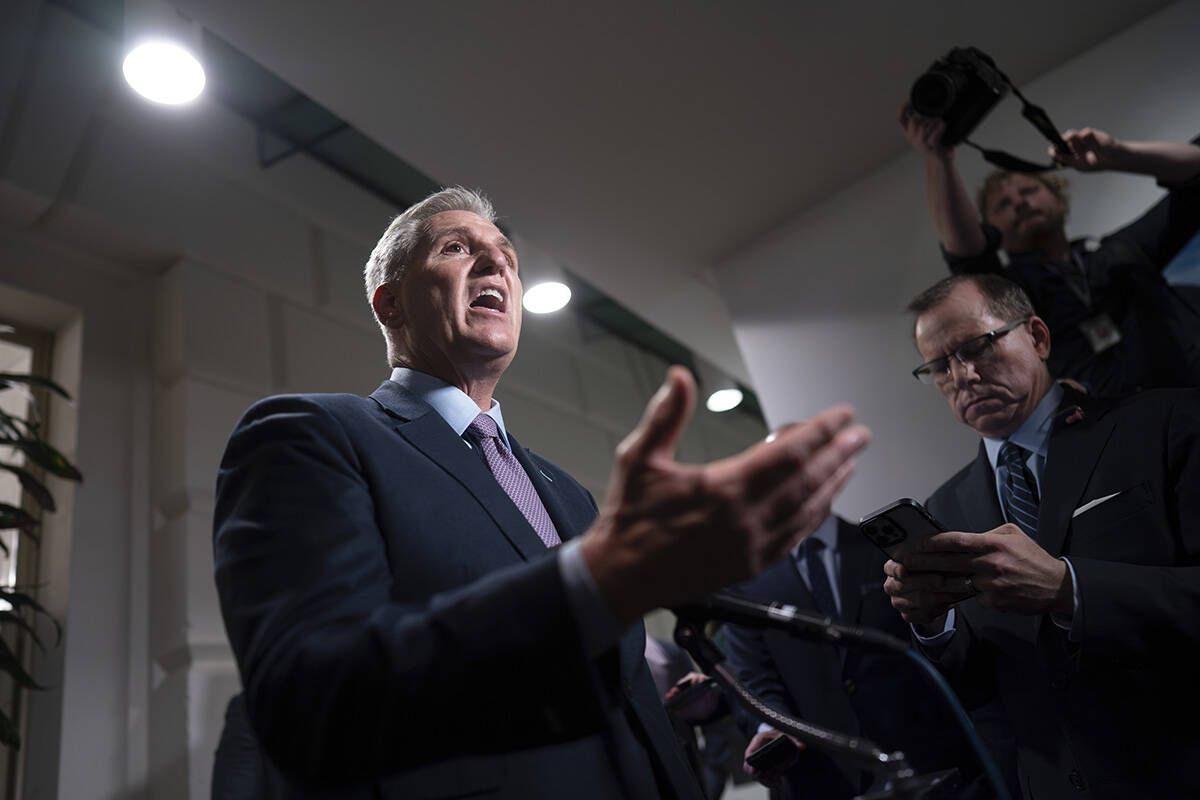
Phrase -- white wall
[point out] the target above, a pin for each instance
(817, 305)
(184, 282)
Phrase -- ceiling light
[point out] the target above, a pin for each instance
(724, 399)
(162, 63)
(546, 289)
(723, 392)
(546, 297)
(164, 72)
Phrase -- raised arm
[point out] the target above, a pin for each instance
(950, 208)
(1094, 150)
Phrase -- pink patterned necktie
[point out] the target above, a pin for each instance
(512, 478)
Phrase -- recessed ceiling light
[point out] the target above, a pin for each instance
(724, 399)
(546, 297)
(164, 72)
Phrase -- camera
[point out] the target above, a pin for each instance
(885, 534)
(961, 88)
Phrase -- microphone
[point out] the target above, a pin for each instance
(737, 609)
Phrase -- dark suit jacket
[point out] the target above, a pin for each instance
(1115, 712)
(876, 695)
(400, 629)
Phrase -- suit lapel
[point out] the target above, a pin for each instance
(856, 560)
(976, 496)
(544, 485)
(424, 429)
(1070, 460)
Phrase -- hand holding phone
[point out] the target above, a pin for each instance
(895, 527)
(695, 698)
(767, 762)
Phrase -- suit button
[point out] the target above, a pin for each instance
(1077, 781)
(849, 684)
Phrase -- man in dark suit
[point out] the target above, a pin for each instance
(404, 619)
(855, 692)
(1075, 534)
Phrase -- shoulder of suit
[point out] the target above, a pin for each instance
(331, 402)
(1152, 403)
(334, 406)
(951, 483)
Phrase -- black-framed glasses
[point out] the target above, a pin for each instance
(972, 351)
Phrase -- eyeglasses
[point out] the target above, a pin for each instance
(971, 351)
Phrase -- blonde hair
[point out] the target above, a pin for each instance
(1057, 185)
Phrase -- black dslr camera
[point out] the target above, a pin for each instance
(961, 88)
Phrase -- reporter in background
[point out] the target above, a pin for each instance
(837, 572)
(1117, 325)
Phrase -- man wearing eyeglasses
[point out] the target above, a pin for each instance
(1068, 584)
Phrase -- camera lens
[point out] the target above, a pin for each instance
(933, 93)
(889, 530)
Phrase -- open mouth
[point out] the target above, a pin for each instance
(489, 298)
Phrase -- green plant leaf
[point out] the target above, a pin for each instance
(45, 457)
(12, 667)
(19, 600)
(32, 486)
(8, 732)
(13, 517)
(8, 423)
(12, 618)
(8, 378)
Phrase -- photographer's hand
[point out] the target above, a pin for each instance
(1092, 150)
(950, 207)
(924, 133)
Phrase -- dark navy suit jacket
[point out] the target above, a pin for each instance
(879, 696)
(400, 629)
(1112, 715)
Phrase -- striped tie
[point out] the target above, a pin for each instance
(512, 478)
(1020, 501)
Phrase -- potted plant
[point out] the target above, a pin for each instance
(18, 609)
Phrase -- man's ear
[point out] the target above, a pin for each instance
(1041, 336)
(387, 306)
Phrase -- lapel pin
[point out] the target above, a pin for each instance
(1075, 415)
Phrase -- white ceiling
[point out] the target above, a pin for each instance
(641, 143)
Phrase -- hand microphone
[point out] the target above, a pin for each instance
(730, 607)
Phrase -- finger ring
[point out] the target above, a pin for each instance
(971, 584)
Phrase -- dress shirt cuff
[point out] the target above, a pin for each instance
(1073, 624)
(935, 645)
(599, 628)
(764, 727)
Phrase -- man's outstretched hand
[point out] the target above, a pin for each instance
(670, 532)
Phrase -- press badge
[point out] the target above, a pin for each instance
(1101, 332)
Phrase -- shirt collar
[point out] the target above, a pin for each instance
(827, 532)
(1034, 433)
(451, 403)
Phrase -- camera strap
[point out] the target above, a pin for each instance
(1037, 117)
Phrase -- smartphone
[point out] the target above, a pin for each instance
(774, 755)
(690, 693)
(893, 527)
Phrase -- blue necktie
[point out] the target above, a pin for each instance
(1021, 500)
(818, 578)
